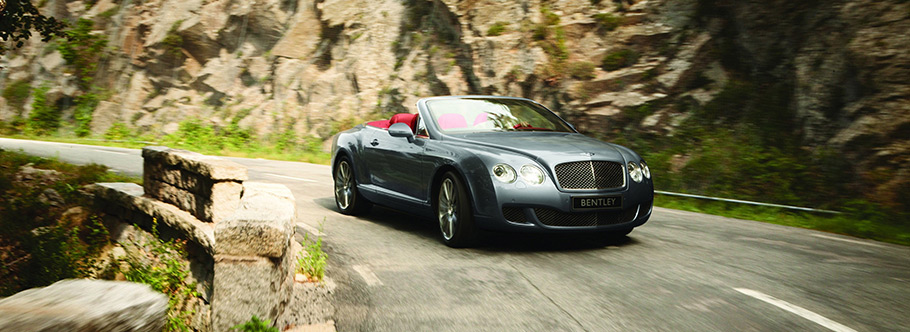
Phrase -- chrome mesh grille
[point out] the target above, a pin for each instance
(552, 217)
(590, 175)
(514, 214)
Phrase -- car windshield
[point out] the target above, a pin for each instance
(471, 115)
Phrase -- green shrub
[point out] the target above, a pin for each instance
(45, 117)
(17, 93)
(619, 59)
(118, 132)
(285, 141)
(256, 325)
(582, 70)
(85, 107)
(607, 21)
(167, 274)
(312, 259)
(173, 42)
(497, 28)
(193, 134)
(83, 50)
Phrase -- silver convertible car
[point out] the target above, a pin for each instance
(491, 163)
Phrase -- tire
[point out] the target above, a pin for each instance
(454, 213)
(347, 198)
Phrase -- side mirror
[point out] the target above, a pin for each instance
(401, 130)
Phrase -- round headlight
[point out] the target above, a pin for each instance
(634, 172)
(645, 170)
(532, 174)
(504, 173)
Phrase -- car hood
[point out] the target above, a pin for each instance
(547, 147)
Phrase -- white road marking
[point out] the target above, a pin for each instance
(848, 240)
(367, 275)
(814, 317)
(311, 229)
(290, 177)
(114, 152)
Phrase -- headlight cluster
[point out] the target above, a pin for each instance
(639, 171)
(529, 173)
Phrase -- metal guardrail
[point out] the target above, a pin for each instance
(746, 202)
(120, 141)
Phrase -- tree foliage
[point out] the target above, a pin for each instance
(18, 20)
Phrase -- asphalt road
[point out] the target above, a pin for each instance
(679, 272)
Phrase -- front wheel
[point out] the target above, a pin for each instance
(347, 198)
(456, 220)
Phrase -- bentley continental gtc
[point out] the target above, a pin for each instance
(474, 163)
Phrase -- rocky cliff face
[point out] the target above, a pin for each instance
(835, 71)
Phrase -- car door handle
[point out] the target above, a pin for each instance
(375, 142)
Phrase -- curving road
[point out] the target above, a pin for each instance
(679, 272)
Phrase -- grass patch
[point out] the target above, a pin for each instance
(497, 29)
(312, 259)
(859, 219)
(255, 325)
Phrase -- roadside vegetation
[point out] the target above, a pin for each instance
(858, 219)
(195, 135)
(311, 261)
(47, 229)
(167, 273)
(740, 146)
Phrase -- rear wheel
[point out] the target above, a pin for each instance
(456, 219)
(347, 198)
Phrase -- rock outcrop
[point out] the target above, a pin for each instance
(85, 305)
(314, 66)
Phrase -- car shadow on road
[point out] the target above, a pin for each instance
(489, 241)
(394, 219)
(499, 242)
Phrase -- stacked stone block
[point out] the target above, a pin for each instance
(207, 187)
(254, 267)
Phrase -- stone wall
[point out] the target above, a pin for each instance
(205, 186)
(244, 229)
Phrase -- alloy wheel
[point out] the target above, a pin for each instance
(448, 208)
(344, 183)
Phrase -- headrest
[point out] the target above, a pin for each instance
(406, 118)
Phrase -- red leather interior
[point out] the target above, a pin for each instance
(384, 124)
(406, 118)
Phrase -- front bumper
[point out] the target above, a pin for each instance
(545, 209)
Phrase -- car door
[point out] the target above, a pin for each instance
(396, 164)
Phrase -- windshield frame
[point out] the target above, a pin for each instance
(467, 113)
